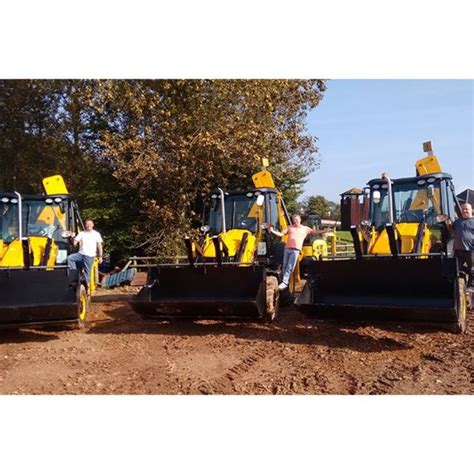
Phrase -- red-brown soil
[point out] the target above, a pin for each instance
(123, 354)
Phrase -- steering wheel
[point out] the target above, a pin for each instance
(410, 216)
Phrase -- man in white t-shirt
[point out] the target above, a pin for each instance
(90, 246)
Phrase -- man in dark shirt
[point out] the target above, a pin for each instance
(464, 237)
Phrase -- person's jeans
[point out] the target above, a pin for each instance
(84, 262)
(290, 257)
(466, 261)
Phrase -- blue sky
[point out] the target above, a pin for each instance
(366, 127)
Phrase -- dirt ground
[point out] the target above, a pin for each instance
(123, 354)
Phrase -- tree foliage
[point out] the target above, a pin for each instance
(141, 155)
(320, 206)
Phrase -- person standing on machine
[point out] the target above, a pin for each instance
(90, 247)
(296, 235)
(463, 229)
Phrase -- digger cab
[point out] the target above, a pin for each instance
(428, 199)
(411, 219)
(238, 221)
(36, 287)
(55, 217)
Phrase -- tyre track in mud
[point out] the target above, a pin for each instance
(123, 354)
(226, 381)
(437, 363)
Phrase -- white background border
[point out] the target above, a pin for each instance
(245, 39)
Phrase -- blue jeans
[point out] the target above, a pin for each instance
(290, 257)
(84, 262)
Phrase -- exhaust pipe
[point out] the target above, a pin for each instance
(224, 230)
(20, 212)
(390, 198)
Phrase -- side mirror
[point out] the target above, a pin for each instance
(376, 197)
(205, 229)
(260, 200)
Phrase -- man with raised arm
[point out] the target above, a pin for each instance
(296, 235)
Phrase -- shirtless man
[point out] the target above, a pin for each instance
(296, 235)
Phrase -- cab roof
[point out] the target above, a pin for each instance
(245, 191)
(412, 179)
(37, 197)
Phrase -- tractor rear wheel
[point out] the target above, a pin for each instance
(272, 304)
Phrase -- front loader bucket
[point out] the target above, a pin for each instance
(382, 288)
(38, 296)
(203, 291)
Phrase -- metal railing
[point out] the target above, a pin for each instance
(147, 262)
(343, 249)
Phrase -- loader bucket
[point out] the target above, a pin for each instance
(203, 291)
(379, 288)
(38, 296)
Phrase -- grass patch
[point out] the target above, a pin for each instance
(344, 235)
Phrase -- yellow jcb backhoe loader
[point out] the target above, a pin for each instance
(404, 267)
(233, 270)
(36, 286)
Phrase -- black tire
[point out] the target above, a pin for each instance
(83, 309)
(461, 305)
(272, 300)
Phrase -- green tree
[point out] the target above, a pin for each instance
(334, 210)
(141, 155)
(29, 144)
(316, 205)
(172, 142)
(49, 127)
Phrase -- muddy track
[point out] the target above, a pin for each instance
(123, 354)
(226, 381)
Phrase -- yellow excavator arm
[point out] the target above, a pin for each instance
(427, 165)
(54, 185)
